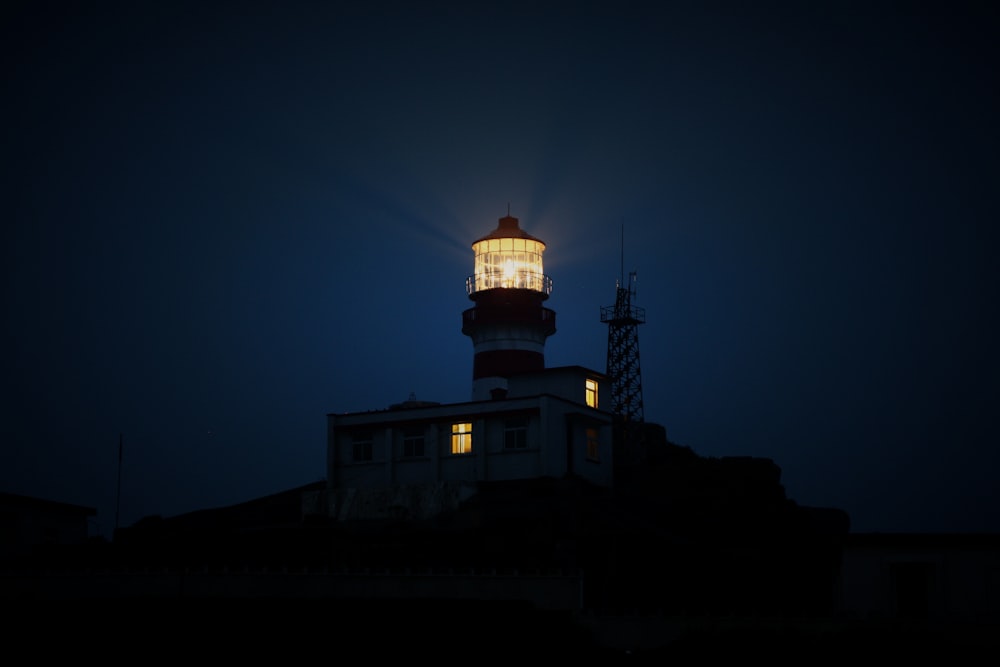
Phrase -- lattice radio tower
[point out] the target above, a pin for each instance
(623, 320)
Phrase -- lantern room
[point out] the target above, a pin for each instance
(509, 258)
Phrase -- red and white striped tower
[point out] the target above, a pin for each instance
(508, 324)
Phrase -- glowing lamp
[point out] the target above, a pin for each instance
(508, 258)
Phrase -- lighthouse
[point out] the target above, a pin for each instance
(509, 323)
(525, 421)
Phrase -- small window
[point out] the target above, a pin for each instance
(461, 438)
(413, 442)
(515, 434)
(591, 393)
(593, 445)
(362, 442)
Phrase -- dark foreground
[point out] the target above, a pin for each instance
(141, 629)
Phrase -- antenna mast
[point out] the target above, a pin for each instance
(621, 255)
(623, 369)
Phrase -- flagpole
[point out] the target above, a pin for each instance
(118, 499)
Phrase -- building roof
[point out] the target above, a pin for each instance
(13, 500)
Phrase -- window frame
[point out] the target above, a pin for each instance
(516, 428)
(591, 393)
(362, 446)
(592, 438)
(415, 439)
(461, 438)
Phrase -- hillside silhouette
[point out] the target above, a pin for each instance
(678, 533)
(685, 556)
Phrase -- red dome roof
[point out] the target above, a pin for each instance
(508, 229)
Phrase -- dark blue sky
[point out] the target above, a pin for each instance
(226, 220)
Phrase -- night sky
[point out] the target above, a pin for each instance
(224, 221)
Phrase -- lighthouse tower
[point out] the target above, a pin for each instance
(508, 325)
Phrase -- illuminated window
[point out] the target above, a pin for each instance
(413, 442)
(593, 446)
(515, 434)
(592, 393)
(461, 438)
(362, 442)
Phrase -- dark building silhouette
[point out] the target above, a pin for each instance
(28, 524)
